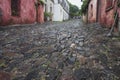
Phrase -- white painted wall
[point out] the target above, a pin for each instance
(65, 15)
(60, 13)
(49, 8)
(56, 1)
(49, 4)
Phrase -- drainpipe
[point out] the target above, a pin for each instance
(110, 33)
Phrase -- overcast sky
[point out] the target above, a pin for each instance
(76, 2)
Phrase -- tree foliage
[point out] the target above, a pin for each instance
(74, 10)
(84, 7)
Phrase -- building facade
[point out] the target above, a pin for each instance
(49, 8)
(20, 12)
(103, 11)
(61, 10)
(92, 11)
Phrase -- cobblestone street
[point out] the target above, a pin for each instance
(69, 50)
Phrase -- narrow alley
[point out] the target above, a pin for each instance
(69, 50)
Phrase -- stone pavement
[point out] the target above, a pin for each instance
(67, 50)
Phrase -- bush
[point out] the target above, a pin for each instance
(84, 7)
(41, 1)
(47, 15)
(74, 10)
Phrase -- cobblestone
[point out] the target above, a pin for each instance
(68, 50)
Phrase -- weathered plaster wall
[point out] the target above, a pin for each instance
(5, 11)
(97, 12)
(92, 9)
(107, 17)
(84, 18)
(27, 12)
(40, 16)
(102, 8)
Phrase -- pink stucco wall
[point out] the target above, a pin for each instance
(105, 18)
(92, 9)
(40, 16)
(5, 7)
(27, 12)
(102, 8)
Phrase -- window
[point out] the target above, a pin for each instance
(59, 1)
(45, 8)
(51, 8)
(91, 10)
(15, 7)
(109, 4)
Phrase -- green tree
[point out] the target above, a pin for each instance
(74, 10)
(84, 7)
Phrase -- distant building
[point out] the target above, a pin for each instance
(61, 10)
(20, 12)
(49, 8)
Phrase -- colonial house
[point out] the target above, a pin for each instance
(21, 11)
(61, 10)
(104, 11)
(49, 9)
